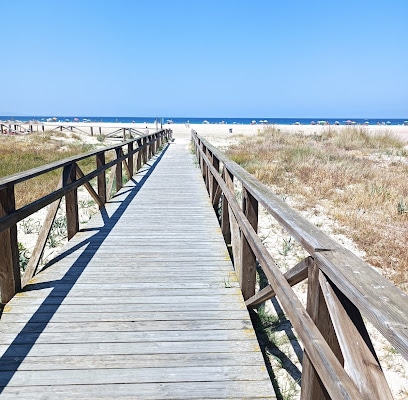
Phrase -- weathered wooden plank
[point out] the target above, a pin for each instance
(85, 291)
(247, 258)
(182, 347)
(121, 316)
(128, 361)
(90, 189)
(359, 361)
(98, 298)
(10, 281)
(295, 275)
(136, 375)
(41, 241)
(147, 391)
(312, 386)
(127, 337)
(119, 171)
(382, 303)
(101, 178)
(125, 307)
(127, 326)
(71, 201)
(66, 287)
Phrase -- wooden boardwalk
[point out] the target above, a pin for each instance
(143, 304)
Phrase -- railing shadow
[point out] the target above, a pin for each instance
(29, 334)
(270, 348)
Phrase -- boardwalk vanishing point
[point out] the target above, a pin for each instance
(142, 304)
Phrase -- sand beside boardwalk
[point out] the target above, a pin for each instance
(223, 132)
(212, 132)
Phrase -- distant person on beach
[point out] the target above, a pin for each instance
(146, 130)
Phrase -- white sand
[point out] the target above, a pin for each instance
(214, 131)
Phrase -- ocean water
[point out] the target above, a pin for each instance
(195, 120)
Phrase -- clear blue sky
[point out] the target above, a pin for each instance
(214, 58)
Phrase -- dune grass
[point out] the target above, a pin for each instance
(359, 179)
(20, 153)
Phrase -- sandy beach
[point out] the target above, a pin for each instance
(221, 131)
(217, 134)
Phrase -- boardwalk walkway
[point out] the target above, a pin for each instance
(143, 304)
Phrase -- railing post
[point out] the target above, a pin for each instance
(130, 160)
(71, 201)
(145, 150)
(214, 183)
(202, 162)
(248, 259)
(101, 179)
(160, 141)
(139, 155)
(119, 170)
(312, 387)
(225, 219)
(208, 179)
(155, 137)
(149, 148)
(10, 279)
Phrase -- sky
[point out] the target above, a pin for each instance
(204, 58)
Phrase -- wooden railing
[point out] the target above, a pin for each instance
(339, 360)
(14, 128)
(130, 155)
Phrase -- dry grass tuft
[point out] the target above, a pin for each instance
(358, 178)
(20, 153)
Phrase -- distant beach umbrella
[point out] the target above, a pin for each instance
(76, 119)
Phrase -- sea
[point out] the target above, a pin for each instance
(207, 120)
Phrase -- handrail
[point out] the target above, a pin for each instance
(72, 178)
(342, 287)
(33, 172)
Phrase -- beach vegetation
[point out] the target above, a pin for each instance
(357, 177)
(21, 153)
(24, 257)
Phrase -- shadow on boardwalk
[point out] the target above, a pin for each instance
(26, 338)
